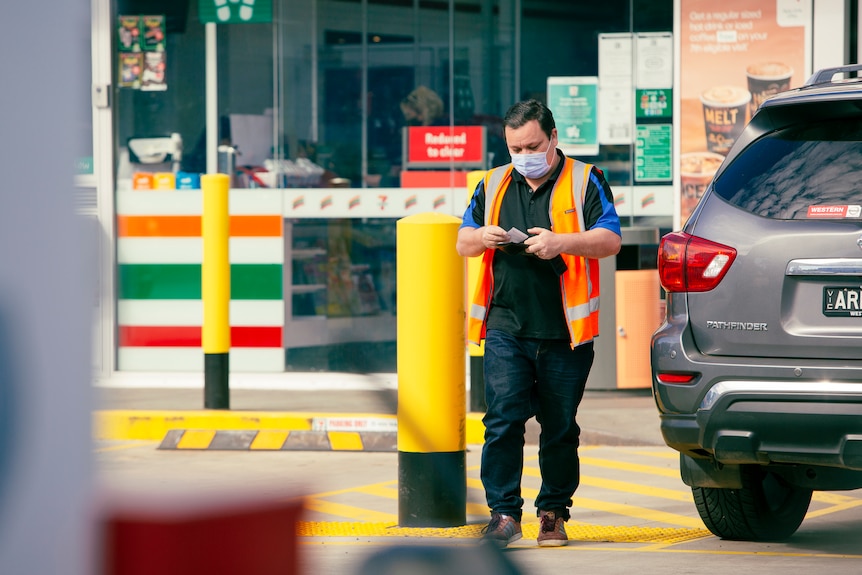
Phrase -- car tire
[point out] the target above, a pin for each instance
(767, 508)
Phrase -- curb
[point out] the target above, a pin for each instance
(272, 440)
(260, 430)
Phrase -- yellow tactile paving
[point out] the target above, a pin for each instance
(575, 531)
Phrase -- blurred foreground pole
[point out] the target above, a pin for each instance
(432, 480)
(48, 291)
(215, 290)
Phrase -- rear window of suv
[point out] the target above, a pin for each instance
(808, 171)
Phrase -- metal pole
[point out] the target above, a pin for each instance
(211, 81)
(432, 480)
(215, 290)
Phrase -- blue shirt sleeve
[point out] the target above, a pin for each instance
(474, 215)
(599, 210)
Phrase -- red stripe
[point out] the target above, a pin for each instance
(158, 336)
(255, 336)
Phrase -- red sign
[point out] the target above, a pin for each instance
(438, 146)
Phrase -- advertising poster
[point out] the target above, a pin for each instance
(129, 34)
(574, 102)
(732, 56)
(153, 33)
(131, 67)
(142, 58)
(615, 89)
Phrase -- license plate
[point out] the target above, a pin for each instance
(842, 301)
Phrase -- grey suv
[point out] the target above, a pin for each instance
(757, 368)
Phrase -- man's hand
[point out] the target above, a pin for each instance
(473, 241)
(596, 243)
(493, 236)
(543, 243)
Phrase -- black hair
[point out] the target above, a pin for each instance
(526, 111)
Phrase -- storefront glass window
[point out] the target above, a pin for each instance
(320, 95)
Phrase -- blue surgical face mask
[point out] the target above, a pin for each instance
(532, 166)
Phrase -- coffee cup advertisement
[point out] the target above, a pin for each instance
(696, 172)
(766, 79)
(725, 113)
(733, 55)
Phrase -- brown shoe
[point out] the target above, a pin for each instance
(502, 530)
(552, 530)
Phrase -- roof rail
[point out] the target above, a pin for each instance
(825, 75)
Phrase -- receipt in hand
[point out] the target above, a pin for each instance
(516, 236)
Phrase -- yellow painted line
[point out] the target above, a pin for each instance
(638, 512)
(664, 454)
(634, 467)
(351, 489)
(378, 491)
(664, 549)
(124, 446)
(475, 483)
(266, 439)
(478, 509)
(832, 497)
(615, 508)
(196, 439)
(349, 511)
(626, 487)
(834, 509)
(345, 440)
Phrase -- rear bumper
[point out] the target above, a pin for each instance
(765, 422)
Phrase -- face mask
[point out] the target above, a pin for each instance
(532, 166)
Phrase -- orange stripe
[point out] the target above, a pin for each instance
(190, 226)
(158, 226)
(255, 226)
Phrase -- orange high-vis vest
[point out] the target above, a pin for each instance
(579, 285)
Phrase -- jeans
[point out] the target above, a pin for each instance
(526, 377)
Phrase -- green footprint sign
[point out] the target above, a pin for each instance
(235, 11)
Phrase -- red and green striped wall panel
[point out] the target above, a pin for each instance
(159, 306)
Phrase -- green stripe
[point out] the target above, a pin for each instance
(255, 281)
(183, 281)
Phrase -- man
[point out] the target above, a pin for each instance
(536, 306)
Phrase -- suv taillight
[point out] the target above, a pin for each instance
(687, 263)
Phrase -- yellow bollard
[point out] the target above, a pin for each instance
(215, 290)
(432, 480)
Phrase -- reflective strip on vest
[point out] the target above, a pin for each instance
(478, 311)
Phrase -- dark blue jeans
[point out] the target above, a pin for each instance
(526, 377)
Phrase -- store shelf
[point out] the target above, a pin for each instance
(307, 288)
(307, 253)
